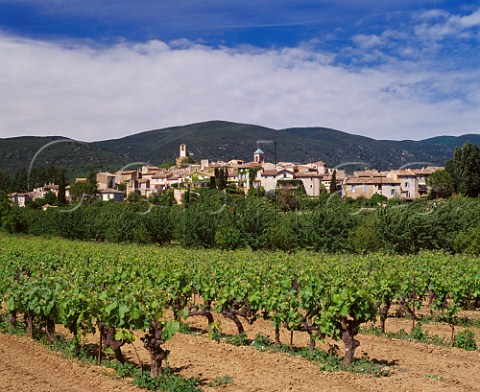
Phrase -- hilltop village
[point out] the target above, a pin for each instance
(187, 174)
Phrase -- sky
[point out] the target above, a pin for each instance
(101, 69)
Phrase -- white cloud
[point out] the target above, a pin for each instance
(367, 40)
(450, 25)
(434, 14)
(94, 93)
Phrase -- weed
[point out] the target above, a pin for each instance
(366, 366)
(327, 362)
(220, 381)
(215, 331)
(465, 340)
(186, 329)
(237, 340)
(167, 381)
(418, 335)
(434, 377)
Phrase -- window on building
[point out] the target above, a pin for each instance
(364, 189)
(354, 188)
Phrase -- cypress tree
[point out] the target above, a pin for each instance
(61, 199)
(333, 182)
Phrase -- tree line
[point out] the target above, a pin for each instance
(217, 221)
(217, 217)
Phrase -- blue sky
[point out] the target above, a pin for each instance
(98, 69)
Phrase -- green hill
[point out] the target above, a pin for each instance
(19, 152)
(225, 140)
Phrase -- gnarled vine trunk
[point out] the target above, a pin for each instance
(29, 318)
(153, 341)
(383, 313)
(50, 329)
(349, 330)
(230, 314)
(12, 319)
(108, 338)
(204, 311)
(277, 334)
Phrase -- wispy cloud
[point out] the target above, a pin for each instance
(460, 26)
(91, 93)
(443, 39)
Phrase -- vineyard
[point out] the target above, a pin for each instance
(128, 292)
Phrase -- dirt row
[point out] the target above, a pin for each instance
(25, 365)
(28, 366)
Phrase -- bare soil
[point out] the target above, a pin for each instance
(25, 365)
(28, 366)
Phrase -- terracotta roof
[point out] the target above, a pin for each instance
(404, 173)
(274, 172)
(370, 173)
(428, 170)
(309, 175)
(249, 165)
(269, 172)
(371, 180)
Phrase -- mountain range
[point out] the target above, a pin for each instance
(217, 140)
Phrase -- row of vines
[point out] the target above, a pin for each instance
(119, 289)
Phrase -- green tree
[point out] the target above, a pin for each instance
(220, 179)
(287, 199)
(79, 189)
(333, 182)
(213, 183)
(134, 197)
(441, 184)
(465, 170)
(5, 182)
(5, 207)
(61, 199)
(50, 198)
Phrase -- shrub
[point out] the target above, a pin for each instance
(468, 241)
(364, 239)
(229, 238)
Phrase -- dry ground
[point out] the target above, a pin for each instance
(26, 365)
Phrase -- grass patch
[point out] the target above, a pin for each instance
(237, 340)
(417, 335)
(167, 381)
(465, 340)
(459, 321)
(434, 377)
(327, 362)
(220, 381)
